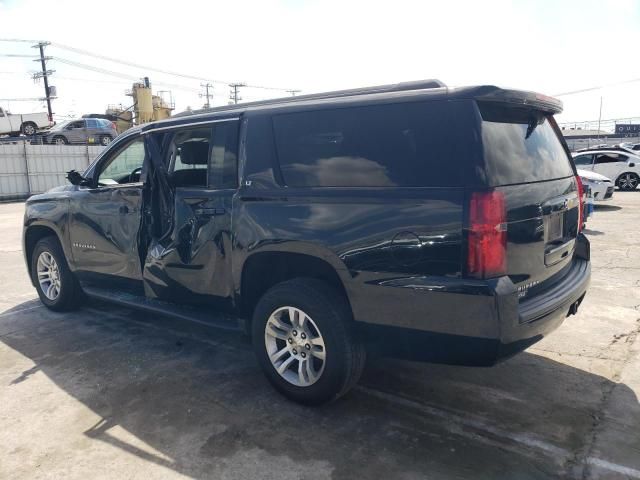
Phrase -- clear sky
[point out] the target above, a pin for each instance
(547, 46)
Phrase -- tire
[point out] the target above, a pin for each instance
(47, 256)
(628, 181)
(29, 128)
(105, 140)
(327, 332)
(60, 140)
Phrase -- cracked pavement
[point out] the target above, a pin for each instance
(106, 392)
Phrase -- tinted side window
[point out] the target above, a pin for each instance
(583, 160)
(611, 158)
(92, 123)
(224, 156)
(189, 157)
(403, 145)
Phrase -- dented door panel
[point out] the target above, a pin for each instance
(193, 264)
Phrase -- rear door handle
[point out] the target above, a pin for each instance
(209, 212)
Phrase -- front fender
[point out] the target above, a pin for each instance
(51, 214)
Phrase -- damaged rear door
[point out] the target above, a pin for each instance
(189, 262)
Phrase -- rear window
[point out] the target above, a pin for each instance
(399, 145)
(520, 145)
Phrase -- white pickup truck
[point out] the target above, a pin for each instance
(28, 123)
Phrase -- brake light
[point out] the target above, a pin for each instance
(487, 240)
(114, 125)
(580, 203)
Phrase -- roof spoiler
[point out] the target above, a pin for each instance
(520, 98)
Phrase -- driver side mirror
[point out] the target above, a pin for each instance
(76, 178)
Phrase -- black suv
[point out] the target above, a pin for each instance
(411, 220)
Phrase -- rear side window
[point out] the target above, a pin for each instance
(611, 158)
(520, 145)
(399, 145)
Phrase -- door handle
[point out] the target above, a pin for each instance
(209, 212)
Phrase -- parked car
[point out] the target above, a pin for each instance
(83, 131)
(625, 148)
(622, 167)
(26, 123)
(430, 223)
(601, 187)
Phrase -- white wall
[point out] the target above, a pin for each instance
(28, 169)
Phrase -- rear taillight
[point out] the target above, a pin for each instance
(487, 240)
(114, 126)
(580, 203)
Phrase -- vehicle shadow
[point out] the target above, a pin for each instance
(607, 208)
(594, 233)
(197, 397)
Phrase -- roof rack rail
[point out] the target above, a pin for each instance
(393, 87)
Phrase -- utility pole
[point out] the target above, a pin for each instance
(599, 119)
(234, 92)
(45, 75)
(293, 92)
(207, 95)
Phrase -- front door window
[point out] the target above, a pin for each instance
(125, 166)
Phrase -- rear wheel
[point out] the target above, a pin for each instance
(628, 181)
(304, 341)
(56, 285)
(105, 140)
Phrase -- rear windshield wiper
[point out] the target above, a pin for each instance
(533, 124)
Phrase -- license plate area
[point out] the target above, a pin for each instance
(555, 227)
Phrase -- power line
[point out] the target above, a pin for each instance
(18, 55)
(154, 69)
(88, 53)
(30, 99)
(591, 89)
(113, 73)
(19, 40)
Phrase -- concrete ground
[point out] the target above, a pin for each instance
(106, 392)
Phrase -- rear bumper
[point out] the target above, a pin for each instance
(468, 322)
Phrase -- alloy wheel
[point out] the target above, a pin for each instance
(628, 181)
(49, 275)
(295, 346)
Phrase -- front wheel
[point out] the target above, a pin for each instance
(304, 340)
(29, 128)
(60, 140)
(56, 285)
(628, 181)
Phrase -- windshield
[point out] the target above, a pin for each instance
(60, 126)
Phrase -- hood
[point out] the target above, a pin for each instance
(592, 175)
